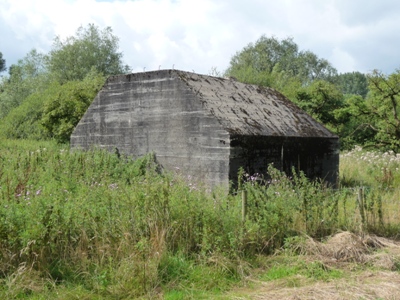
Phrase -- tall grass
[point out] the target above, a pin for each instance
(377, 174)
(106, 226)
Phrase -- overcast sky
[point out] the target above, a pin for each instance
(197, 35)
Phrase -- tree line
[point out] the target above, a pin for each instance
(44, 96)
(362, 109)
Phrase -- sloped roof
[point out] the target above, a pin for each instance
(242, 109)
(245, 109)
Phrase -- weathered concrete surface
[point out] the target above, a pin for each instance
(245, 109)
(206, 126)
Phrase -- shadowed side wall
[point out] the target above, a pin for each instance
(316, 157)
(157, 112)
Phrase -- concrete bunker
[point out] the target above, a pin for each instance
(206, 126)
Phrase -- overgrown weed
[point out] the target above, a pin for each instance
(110, 227)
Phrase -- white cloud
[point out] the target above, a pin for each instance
(198, 35)
(343, 60)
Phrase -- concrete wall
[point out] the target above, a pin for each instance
(316, 157)
(151, 112)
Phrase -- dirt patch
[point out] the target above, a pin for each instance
(370, 265)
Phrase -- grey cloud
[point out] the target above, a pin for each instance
(361, 12)
(362, 32)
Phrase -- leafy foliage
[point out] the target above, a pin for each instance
(2, 63)
(321, 99)
(46, 95)
(73, 58)
(264, 55)
(378, 115)
(67, 103)
(27, 77)
(354, 83)
(269, 55)
(383, 107)
(52, 113)
(352, 124)
(23, 122)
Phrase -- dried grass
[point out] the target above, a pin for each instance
(348, 247)
(341, 250)
(380, 285)
(24, 280)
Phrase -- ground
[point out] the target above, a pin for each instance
(366, 285)
(369, 268)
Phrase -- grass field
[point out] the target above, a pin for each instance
(91, 225)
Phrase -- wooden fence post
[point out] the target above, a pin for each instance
(360, 200)
(244, 205)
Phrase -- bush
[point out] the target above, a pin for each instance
(67, 103)
(23, 122)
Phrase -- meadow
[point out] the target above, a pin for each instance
(93, 225)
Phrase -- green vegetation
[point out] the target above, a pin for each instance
(269, 57)
(315, 270)
(99, 226)
(45, 95)
(27, 77)
(91, 48)
(2, 63)
(66, 104)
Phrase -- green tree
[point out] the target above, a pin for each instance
(354, 120)
(264, 55)
(321, 99)
(74, 57)
(23, 122)
(2, 63)
(378, 114)
(353, 83)
(67, 104)
(261, 61)
(383, 108)
(27, 77)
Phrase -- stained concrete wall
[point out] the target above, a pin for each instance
(157, 113)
